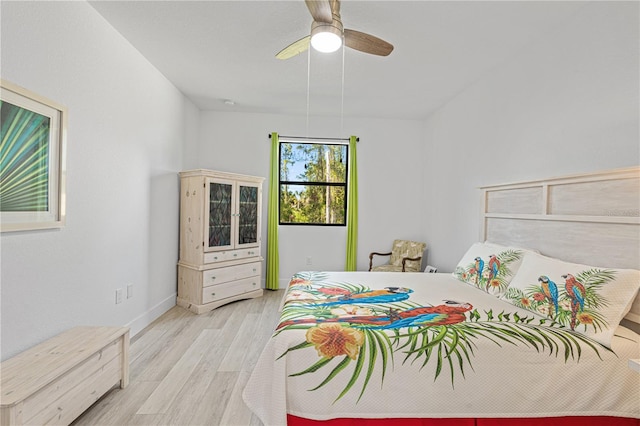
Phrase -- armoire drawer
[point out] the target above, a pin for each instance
(222, 291)
(230, 273)
(223, 256)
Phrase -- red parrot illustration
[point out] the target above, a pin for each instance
(494, 268)
(576, 292)
(424, 316)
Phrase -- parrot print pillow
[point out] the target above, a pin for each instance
(489, 267)
(587, 299)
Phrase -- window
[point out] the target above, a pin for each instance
(313, 183)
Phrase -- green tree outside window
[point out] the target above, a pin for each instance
(313, 183)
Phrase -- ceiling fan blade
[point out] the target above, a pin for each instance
(294, 48)
(367, 43)
(320, 10)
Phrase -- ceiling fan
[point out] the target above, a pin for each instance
(327, 28)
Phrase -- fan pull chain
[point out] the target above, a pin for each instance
(308, 84)
(342, 94)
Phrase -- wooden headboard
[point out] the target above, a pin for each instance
(592, 219)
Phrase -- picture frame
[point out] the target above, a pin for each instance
(33, 132)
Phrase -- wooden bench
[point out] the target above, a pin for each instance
(55, 381)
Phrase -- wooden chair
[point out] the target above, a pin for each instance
(405, 256)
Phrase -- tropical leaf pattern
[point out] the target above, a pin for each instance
(365, 338)
(24, 159)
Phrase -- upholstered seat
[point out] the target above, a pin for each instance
(405, 256)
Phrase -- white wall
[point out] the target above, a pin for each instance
(568, 103)
(390, 177)
(126, 131)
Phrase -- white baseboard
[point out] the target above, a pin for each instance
(139, 323)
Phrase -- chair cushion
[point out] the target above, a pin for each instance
(387, 268)
(405, 248)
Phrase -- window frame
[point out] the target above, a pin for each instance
(345, 185)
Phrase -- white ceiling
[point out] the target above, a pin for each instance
(217, 50)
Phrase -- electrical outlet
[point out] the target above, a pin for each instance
(309, 261)
(129, 291)
(118, 296)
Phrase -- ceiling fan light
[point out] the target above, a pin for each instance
(326, 38)
(326, 42)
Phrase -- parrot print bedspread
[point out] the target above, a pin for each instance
(394, 345)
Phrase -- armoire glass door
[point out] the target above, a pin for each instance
(220, 214)
(248, 214)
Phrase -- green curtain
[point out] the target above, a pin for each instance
(352, 208)
(273, 257)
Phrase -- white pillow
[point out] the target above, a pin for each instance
(489, 266)
(589, 300)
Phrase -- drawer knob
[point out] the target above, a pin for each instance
(213, 278)
(215, 258)
(253, 284)
(235, 254)
(213, 294)
(254, 269)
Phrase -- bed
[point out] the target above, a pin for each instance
(527, 329)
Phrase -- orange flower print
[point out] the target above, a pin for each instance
(300, 296)
(331, 339)
(544, 310)
(525, 302)
(495, 283)
(539, 297)
(585, 318)
(300, 281)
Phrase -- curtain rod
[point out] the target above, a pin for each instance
(314, 139)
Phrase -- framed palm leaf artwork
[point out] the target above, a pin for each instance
(32, 160)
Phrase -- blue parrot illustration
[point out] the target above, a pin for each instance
(550, 291)
(479, 267)
(386, 295)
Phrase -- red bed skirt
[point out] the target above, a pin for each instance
(532, 421)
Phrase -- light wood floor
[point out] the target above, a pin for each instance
(188, 369)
